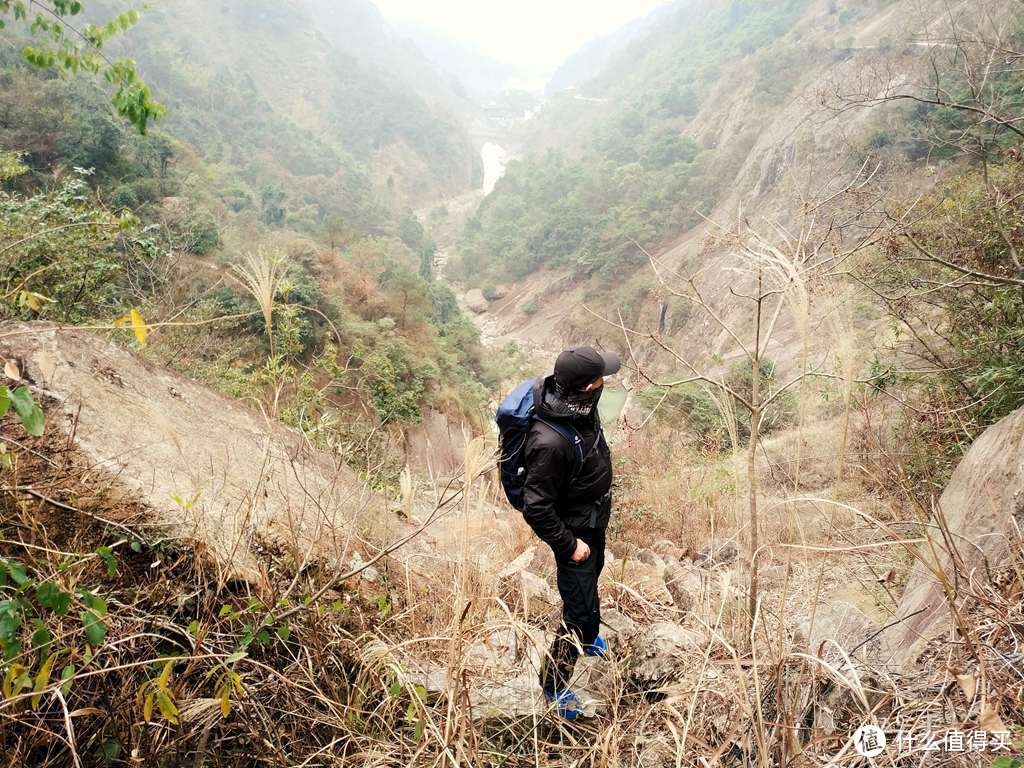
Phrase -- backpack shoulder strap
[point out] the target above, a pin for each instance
(572, 437)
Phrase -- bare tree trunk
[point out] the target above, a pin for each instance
(755, 429)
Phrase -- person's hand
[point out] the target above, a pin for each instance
(582, 551)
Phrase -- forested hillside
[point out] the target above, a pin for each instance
(334, 124)
(636, 198)
(638, 174)
(254, 509)
(273, 178)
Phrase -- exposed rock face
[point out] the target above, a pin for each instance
(664, 651)
(616, 627)
(476, 301)
(983, 506)
(684, 583)
(243, 478)
(523, 591)
(717, 553)
(651, 558)
(635, 576)
(841, 623)
(669, 550)
(622, 549)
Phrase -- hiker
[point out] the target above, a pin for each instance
(567, 501)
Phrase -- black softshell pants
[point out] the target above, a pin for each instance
(581, 611)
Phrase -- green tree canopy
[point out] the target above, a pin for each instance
(58, 44)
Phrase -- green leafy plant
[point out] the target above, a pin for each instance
(257, 624)
(28, 411)
(66, 257)
(157, 691)
(28, 603)
(11, 166)
(61, 45)
(228, 683)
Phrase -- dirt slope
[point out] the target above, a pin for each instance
(243, 480)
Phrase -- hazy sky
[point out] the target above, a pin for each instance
(535, 35)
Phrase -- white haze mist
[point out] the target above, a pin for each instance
(533, 35)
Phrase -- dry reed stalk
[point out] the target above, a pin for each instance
(262, 272)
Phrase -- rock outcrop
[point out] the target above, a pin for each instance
(476, 301)
(717, 553)
(209, 467)
(663, 652)
(983, 507)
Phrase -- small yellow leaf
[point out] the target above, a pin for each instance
(167, 707)
(147, 706)
(165, 675)
(43, 679)
(139, 327)
(12, 680)
(34, 301)
(225, 699)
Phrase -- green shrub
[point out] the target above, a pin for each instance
(974, 327)
(124, 197)
(73, 260)
(694, 406)
(395, 382)
(201, 231)
(147, 190)
(689, 405)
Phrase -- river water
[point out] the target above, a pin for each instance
(495, 158)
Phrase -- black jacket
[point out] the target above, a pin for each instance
(556, 503)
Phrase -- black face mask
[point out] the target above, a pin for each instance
(579, 403)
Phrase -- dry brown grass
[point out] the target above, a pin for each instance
(399, 673)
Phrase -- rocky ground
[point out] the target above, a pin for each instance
(467, 595)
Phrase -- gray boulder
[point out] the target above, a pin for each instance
(669, 550)
(664, 652)
(718, 552)
(684, 583)
(983, 505)
(842, 623)
(476, 301)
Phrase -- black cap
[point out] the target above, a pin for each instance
(578, 367)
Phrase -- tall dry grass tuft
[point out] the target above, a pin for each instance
(848, 349)
(262, 272)
(441, 670)
(788, 270)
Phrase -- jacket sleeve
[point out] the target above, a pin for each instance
(547, 471)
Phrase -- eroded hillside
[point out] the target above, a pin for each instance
(249, 512)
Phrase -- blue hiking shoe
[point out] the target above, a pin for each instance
(599, 647)
(566, 704)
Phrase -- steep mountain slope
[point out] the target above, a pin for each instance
(721, 113)
(480, 75)
(358, 28)
(316, 93)
(590, 60)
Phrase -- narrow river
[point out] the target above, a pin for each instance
(495, 159)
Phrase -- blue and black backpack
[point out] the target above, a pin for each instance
(515, 417)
